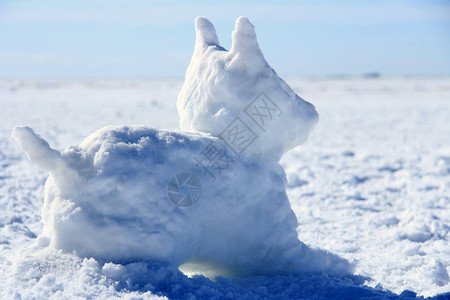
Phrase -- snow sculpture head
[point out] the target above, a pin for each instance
(221, 85)
(107, 197)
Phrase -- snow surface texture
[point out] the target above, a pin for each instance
(372, 184)
(107, 198)
(374, 175)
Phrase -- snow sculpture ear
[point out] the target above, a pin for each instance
(244, 40)
(205, 32)
(245, 53)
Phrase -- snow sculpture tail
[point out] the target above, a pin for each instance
(43, 156)
(37, 149)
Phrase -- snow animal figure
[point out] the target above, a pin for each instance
(214, 197)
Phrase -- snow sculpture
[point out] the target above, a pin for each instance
(215, 197)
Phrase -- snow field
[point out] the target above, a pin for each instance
(371, 184)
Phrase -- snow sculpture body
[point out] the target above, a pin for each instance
(108, 197)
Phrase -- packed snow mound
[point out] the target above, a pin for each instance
(222, 85)
(214, 200)
(114, 205)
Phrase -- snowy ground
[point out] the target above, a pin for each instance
(372, 185)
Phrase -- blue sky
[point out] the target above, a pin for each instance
(145, 39)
